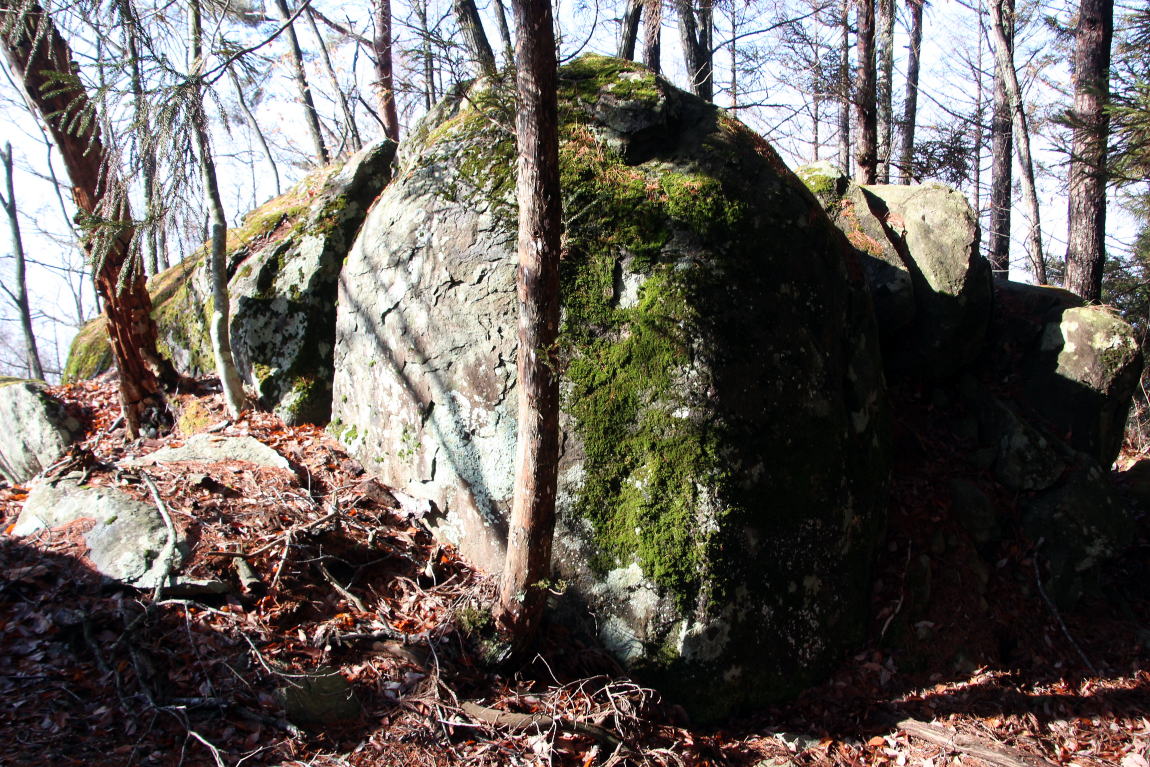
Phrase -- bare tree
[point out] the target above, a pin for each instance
(384, 69)
(844, 82)
(866, 157)
(1004, 61)
(340, 97)
(311, 115)
(695, 34)
(467, 15)
(18, 293)
(43, 60)
(217, 258)
(884, 87)
(522, 593)
(910, 104)
(652, 34)
(629, 29)
(1001, 155)
(1089, 122)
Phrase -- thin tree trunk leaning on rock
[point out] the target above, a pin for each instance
(39, 56)
(221, 341)
(522, 592)
(1005, 62)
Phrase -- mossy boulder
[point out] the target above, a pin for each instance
(37, 429)
(724, 447)
(919, 248)
(1073, 367)
(283, 265)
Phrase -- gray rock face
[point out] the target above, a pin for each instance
(931, 288)
(210, 448)
(129, 542)
(36, 429)
(723, 470)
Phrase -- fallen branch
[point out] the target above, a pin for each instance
(169, 549)
(981, 748)
(356, 601)
(515, 722)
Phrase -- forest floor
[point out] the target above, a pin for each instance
(346, 578)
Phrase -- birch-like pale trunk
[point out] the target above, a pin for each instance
(19, 290)
(1004, 60)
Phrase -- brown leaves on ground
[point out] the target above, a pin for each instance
(339, 575)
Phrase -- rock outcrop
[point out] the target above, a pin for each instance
(36, 430)
(724, 441)
(284, 264)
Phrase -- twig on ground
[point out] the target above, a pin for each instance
(515, 721)
(356, 601)
(215, 751)
(1057, 615)
(165, 558)
(980, 748)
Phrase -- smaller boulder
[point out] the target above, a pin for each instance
(211, 448)
(37, 429)
(129, 542)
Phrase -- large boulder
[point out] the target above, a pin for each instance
(724, 445)
(283, 263)
(37, 429)
(919, 246)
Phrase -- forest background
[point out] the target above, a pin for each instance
(292, 86)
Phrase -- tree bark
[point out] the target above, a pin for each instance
(885, 87)
(652, 34)
(38, 53)
(1005, 62)
(522, 592)
(472, 28)
(910, 105)
(19, 293)
(1086, 236)
(866, 150)
(696, 43)
(233, 389)
(1001, 155)
(844, 82)
(629, 29)
(311, 115)
(504, 32)
(384, 70)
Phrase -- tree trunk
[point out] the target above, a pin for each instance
(910, 105)
(340, 96)
(522, 592)
(629, 29)
(38, 55)
(866, 158)
(146, 140)
(426, 58)
(384, 71)
(504, 33)
(311, 115)
(696, 48)
(471, 26)
(652, 34)
(217, 260)
(1001, 155)
(19, 292)
(1005, 62)
(885, 87)
(1086, 236)
(844, 83)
